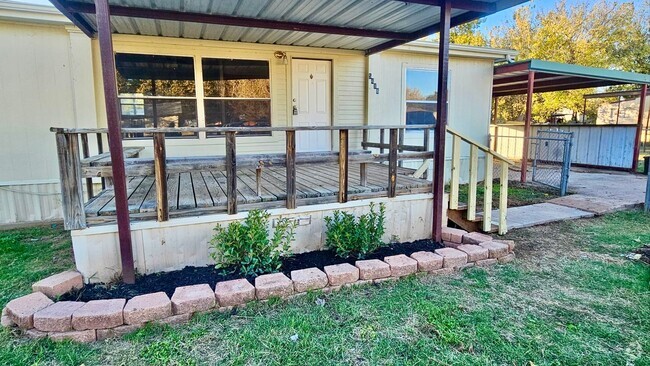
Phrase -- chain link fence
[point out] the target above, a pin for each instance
(549, 159)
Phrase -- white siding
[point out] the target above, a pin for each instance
(46, 80)
(470, 91)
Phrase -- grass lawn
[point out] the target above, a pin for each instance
(518, 194)
(569, 299)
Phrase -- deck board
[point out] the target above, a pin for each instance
(206, 190)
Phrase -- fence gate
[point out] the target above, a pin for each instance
(551, 156)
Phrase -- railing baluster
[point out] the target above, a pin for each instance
(455, 173)
(231, 172)
(473, 181)
(503, 199)
(381, 140)
(400, 144)
(363, 172)
(392, 164)
(487, 197)
(343, 166)
(74, 216)
(160, 170)
(100, 150)
(291, 169)
(86, 153)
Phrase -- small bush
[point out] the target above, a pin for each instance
(348, 236)
(248, 245)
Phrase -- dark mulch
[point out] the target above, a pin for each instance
(168, 281)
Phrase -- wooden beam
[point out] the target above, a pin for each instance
(639, 127)
(204, 18)
(100, 150)
(160, 171)
(231, 172)
(455, 173)
(503, 198)
(343, 166)
(473, 182)
(529, 114)
(440, 131)
(392, 163)
(76, 19)
(291, 169)
(115, 139)
(67, 146)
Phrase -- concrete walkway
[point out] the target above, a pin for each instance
(592, 193)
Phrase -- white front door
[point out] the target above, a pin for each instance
(311, 105)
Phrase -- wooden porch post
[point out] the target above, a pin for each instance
(441, 123)
(115, 138)
(529, 112)
(639, 127)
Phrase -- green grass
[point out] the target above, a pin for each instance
(518, 194)
(569, 299)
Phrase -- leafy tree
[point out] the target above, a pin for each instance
(603, 34)
(468, 34)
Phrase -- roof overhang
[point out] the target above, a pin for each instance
(368, 25)
(512, 79)
(31, 13)
(455, 50)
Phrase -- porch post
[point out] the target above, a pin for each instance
(529, 112)
(639, 127)
(441, 123)
(115, 138)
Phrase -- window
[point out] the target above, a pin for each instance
(156, 91)
(237, 94)
(421, 96)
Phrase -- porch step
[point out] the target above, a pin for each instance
(459, 217)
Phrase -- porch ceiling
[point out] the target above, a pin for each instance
(512, 79)
(368, 25)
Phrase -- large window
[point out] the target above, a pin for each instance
(156, 91)
(421, 96)
(237, 93)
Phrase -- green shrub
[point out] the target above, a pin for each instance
(248, 245)
(348, 236)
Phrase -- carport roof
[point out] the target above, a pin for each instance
(512, 79)
(368, 25)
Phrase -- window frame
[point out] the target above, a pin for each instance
(405, 69)
(135, 96)
(204, 98)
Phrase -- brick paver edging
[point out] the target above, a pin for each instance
(37, 316)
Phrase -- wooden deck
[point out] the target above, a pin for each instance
(202, 192)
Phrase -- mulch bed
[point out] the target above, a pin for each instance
(168, 281)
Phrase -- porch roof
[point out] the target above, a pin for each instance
(512, 79)
(368, 25)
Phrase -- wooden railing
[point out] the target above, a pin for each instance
(454, 183)
(73, 172)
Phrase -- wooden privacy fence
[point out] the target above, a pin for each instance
(605, 146)
(76, 165)
(454, 183)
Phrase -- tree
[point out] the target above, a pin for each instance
(468, 34)
(605, 34)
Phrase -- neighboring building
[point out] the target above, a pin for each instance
(51, 76)
(623, 112)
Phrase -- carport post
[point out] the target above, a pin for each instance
(639, 127)
(440, 131)
(529, 112)
(115, 139)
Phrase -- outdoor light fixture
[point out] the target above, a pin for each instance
(281, 55)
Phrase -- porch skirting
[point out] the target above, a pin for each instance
(181, 242)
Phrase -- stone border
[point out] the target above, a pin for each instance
(37, 316)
